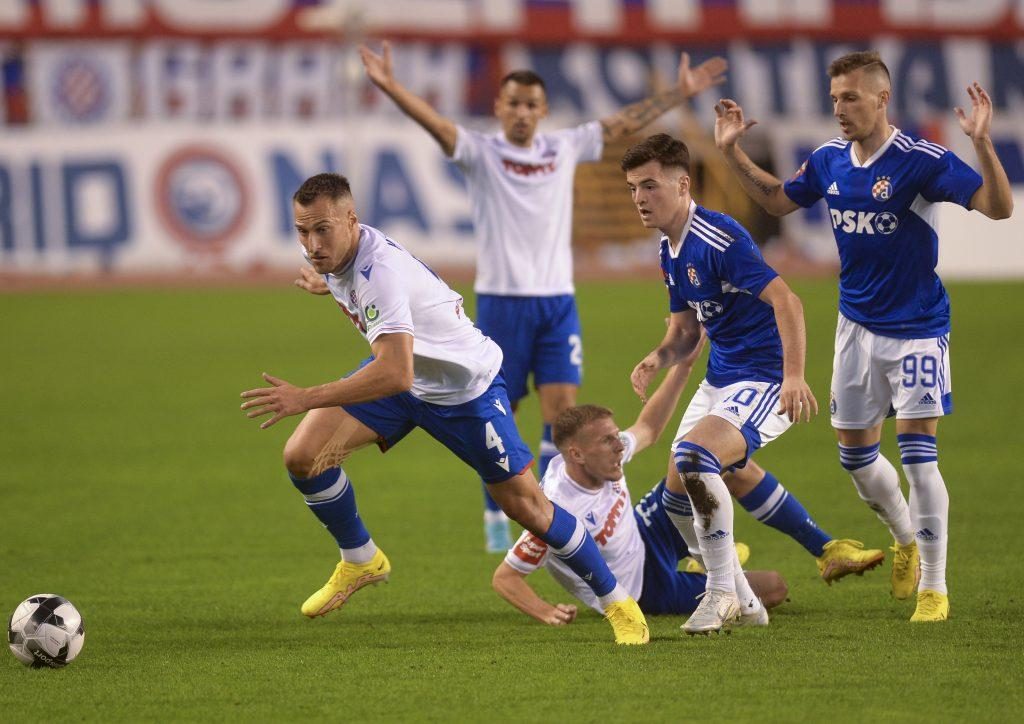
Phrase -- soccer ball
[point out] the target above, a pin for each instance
(46, 630)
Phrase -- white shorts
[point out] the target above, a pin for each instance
(874, 377)
(749, 406)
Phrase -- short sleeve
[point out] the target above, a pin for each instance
(743, 267)
(950, 179)
(587, 141)
(383, 302)
(467, 147)
(802, 187)
(528, 554)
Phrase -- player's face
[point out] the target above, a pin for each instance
(329, 232)
(661, 195)
(520, 108)
(859, 102)
(600, 448)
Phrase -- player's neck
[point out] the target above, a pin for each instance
(528, 143)
(865, 148)
(579, 475)
(674, 230)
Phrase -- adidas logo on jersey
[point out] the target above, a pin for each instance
(833, 190)
(927, 399)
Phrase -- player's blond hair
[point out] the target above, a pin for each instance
(571, 421)
(868, 60)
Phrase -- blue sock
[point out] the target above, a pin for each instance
(571, 542)
(547, 451)
(331, 498)
(773, 505)
(489, 503)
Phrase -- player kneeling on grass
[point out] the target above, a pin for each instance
(430, 368)
(642, 549)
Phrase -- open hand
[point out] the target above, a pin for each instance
(379, 68)
(642, 375)
(280, 400)
(692, 81)
(977, 124)
(729, 123)
(311, 281)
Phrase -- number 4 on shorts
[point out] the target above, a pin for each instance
(493, 441)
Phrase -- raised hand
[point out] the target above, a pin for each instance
(642, 375)
(311, 281)
(692, 81)
(378, 67)
(978, 124)
(729, 123)
(280, 400)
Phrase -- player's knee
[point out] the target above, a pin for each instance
(299, 458)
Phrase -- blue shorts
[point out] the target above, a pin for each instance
(536, 334)
(666, 589)
(482, 432)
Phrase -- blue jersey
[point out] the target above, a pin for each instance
(883, 215)
(718, 271)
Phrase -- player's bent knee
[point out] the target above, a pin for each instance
(777, 590)
(299, 457)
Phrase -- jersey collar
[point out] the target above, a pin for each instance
(877, 154)
(674, 254)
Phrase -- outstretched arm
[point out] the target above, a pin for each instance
(795, 397)
(690, 82)
(655, 415)
(761, 186)
(380, 71)
(994, 197)
(512, 586)
(681, 339)
(389, 373)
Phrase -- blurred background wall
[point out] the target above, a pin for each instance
(167, 136)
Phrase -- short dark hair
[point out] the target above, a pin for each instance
(574, 419)
(662, 148)
(523, 77)
(869, 60)
(332, 185)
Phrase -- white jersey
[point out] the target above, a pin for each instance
(522, 207)
(607, 514)
(386, 290)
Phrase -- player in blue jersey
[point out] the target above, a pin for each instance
(430, 368)
(892, 341)
(520, 186)
(754, 388)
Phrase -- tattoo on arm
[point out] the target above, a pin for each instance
(747, 169)
(637, 115)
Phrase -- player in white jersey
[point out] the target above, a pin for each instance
(643, 549)
(892, 339)
(430, 368)
(520, 188)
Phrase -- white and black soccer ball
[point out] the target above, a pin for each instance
(46, 630)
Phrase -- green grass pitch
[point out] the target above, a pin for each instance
(131, 483)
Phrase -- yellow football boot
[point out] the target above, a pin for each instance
(931, 606)
(906, 570)
(692, 565)
(347, 579)
(843, 556)
(628, 622)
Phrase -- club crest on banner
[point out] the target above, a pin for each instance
(80, 89)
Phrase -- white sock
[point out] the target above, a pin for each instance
(715, 540)
(929, 511)
(749, 602)
(614, 596)
(360, 555)
(878, 485)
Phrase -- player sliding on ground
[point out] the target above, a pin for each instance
(644, 548)
(430, 368)
(754, 388)
(892, 340)
(520, 186)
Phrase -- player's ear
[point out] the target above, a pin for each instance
(883, 98)
(684, 184)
